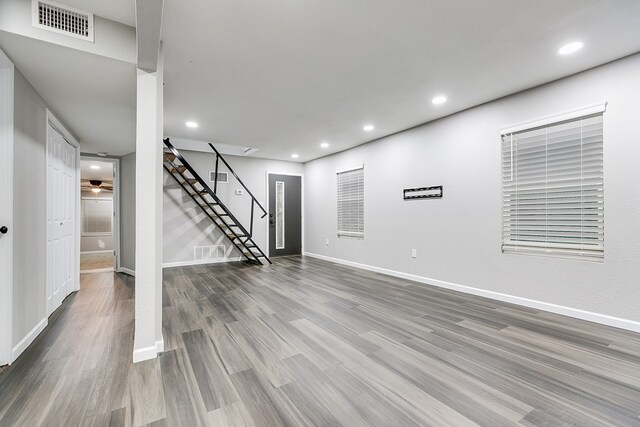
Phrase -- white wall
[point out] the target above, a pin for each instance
(458, 238)
(28, 209)
(186, 226)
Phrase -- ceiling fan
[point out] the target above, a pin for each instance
(96, 185)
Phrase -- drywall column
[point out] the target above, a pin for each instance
(159, 199)
(148, 300)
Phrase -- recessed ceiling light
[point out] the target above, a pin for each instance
(570, 48)
(191, 124)
(439, 100)
(368, 128)
(294, 156)
(96, 167)
(324, 145)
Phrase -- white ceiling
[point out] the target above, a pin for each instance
(283, 76)
(105, 173)
(93, 95)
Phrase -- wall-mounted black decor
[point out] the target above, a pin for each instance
(423, 193)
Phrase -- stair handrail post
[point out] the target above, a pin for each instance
(215, 183)
(264, 212)
(253, 202)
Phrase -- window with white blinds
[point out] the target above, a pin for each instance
(97, 216)
(351, 203)
(553, 187)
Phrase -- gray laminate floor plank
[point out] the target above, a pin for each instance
(307, 342)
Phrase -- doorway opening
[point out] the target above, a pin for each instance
(99, 215)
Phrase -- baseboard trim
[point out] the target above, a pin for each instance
(145, 353)
(97, 270)
(199, 262)
(105, 251)
(127, 271)
(160, 345)
(28, 339)
(603, 319)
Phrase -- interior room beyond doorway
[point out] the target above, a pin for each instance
(97, 242)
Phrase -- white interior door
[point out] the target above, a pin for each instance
(61, 241)
(6, 208)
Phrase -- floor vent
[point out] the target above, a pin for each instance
(203, 253)
(62, 19)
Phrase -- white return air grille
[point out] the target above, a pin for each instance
(62, 19)
(205, 253)
(222, 177)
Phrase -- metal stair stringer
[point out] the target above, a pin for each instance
(208, 201)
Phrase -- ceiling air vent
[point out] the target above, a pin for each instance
(63, 19)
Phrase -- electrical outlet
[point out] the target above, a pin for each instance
(239, 192)
(414, 253)
(327, 242)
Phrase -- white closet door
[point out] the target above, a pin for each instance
(61, 160)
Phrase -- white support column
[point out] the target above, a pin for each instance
(148, 289)
(159, 199)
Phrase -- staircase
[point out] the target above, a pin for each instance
(206, 198)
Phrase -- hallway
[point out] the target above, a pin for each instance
(96, 263)
(307, 342)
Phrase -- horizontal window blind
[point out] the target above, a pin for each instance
(553, 189)
(351, 203)
(97, 216)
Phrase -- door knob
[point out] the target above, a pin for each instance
(4, 229)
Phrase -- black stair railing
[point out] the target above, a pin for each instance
(254, 201)
(243, 238)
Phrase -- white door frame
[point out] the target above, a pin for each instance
(116, 201)
(57, 125)
(6, 208)
(266, 239)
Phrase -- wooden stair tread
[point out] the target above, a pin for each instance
(231, 229)
(255, 254)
